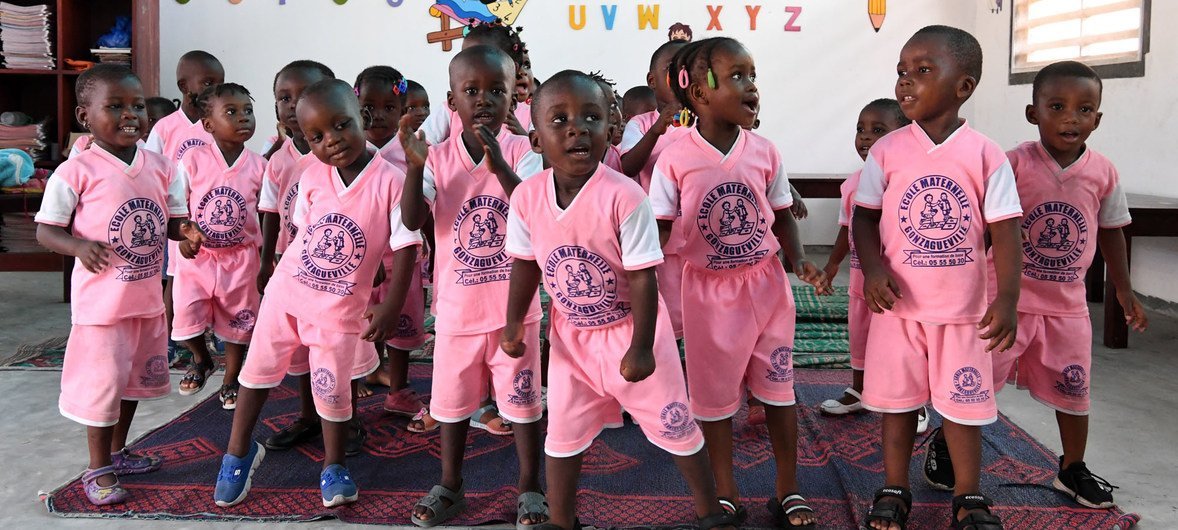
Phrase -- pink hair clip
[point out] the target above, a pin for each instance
(357, 90)
(684, 79)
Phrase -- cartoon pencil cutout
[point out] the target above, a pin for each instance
(877, 10)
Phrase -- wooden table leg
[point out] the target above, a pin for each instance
(1094, 280)
(1116, 331)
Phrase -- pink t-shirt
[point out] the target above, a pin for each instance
(280, 187)
(223, 199)
(173, 135)
(326, 277)
(523, 113)
(847, 199)
(585, 250)
(83, 143)
(470, 223)
(635, 130)
(1061, 206)
(613, 158)
(728, 200)
(393, 153)
(127, 208)
(936, 201)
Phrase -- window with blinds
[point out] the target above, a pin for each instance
(1109, 35)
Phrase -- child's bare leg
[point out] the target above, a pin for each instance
(563, 475)
(697, 471)
(118, 439)
(335, 435)
(899, 431)
(234, 358)
(527, 450)
(245, 418)
(965, 448)
(453, 439)
(1073, 434)
(98, 440)
(783, 433)
(718, 440)
(398, 369)
(306, 400)
(856, 385)
(168, 311)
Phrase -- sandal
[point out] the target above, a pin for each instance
(739, 512)
(229, 393)
(433, 503)
(197, 373)
(476, 421)
(834, 407)
(102, 495)
(299, 432)
(977, 513)
(792, 502)
(531, 504)
(126, 463)
(718, 520)
(357, 435)
(423, 422)
(887, 509)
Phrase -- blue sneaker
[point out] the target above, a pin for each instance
(337, 486)
(233, 482)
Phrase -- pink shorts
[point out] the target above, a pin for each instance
(217, 289)
(670, 278)
(586, 389)
(367, 361)
(739, 332)
(1052, 358)
(910, 363)
(858, 324)
(464, 366)
(331, 355)
(410, 333)
(107, 364)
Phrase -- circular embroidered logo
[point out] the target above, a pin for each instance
(584, 285)
(676, 420)
(405, 327)
(221, 215)
(781, 366)
(1057, 234)
(188, 144)
(333, 247)
(1074, 381)
(136, 234)
(287, 203)
(156, 371)
(479, 231)
(730, 220)
(323, 382)
(244, 320)
(967, 381)
(935, 215)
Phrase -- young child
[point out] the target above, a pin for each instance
(348, 214)
(416, 105)
(157, 109)
(466, 182)
(123, 201)
(1065, 188)
(523, 91)
(732, 186)
(613, 156)
(926, 196)
(878, 118)
(638, 100)
(382, 90)
(216, 289)
(588, 233)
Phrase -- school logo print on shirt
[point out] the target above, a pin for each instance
(479, 232)
(732, 224)
(186, 145)
(585, 286)
(676, 420)
(1057, 235)
(288, 202)
(221, 215)
(333, 248)
(935, 214)
(136, 234)
(968, 383)
(1074, 381)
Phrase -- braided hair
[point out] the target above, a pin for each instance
(216, 91)
(501, 36)
(693, 62)
(383, 74)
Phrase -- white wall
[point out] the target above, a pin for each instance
(1138, 115)
(813, 81)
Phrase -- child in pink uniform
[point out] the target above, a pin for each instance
(217, 289)
(416, 105)
(348, 215)
(926, 196)
(123, 202)
(613, 155)
(587, 232)
(645, 137)
(466, 182)
(878, 118)
(1065, 188)
(731, 186)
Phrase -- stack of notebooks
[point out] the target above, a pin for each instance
(24, 37)
(113, 55)
(28, 138)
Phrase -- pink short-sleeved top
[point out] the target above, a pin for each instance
(393, 153)
(613, 158)
(173, 135)
(326, 275)
(1060, 208)
(936, 201)
(846, 210)
(126, 207)
(585, 250)
(470, 211)
(223, 199)
(523, 113)
(636, 128)
(728, 200)
(280, 188)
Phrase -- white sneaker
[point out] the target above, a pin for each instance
(922, 420)
(832, 407)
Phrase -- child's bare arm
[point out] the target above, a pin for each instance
(414, 210)
(634, 159)
(879, 288)
(525, 278)
(1112, 247)
(93, 254)
(1001, 318)
(639, 363)
(842, 247)
(270, 227)
(786, 230)
(383, 318)
(664, 231)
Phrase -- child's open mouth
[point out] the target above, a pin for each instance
(579, 152)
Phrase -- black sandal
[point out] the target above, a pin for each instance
(781, 510)
(228, 392)
(717, 520)
(977, 513)
(197, 373)
(886, 509)
(740, 512)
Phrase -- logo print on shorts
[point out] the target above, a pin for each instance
(244, 320)
(935, 215)
(188, 144)
(731, 222)
(323, 383)
(155, 373)
(584, 285)
(479, 231)
(333, 248)
(968, 382)
(677, 421)
(136, 234)
(221, 214)
(1058, 235)
(524, 387)
(288, 202)
(1074, 381)
(782, 368)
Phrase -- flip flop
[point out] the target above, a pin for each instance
(433, 503)
(196, 374)
(476, 423)
(530, 503)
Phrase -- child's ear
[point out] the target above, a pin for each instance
(695, 93)
(450, 101)
(207, 125)
(366, 118)
(182, 85)
(966, 86)
(1032, 117)
(534, 138)
(650, 80)
(1097, 124)
(80, 114)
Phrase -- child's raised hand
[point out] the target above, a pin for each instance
(94, 255)
(666, 118)
(1134, 312)
(514, 125)
(881, 292)
(1001, 325)
(512, 341)
(381, 320)
(414, 144)
(189, 249)
(637, 364)
(492, 155)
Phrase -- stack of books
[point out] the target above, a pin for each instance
(28, 138)
(113, 55)
(24, 37)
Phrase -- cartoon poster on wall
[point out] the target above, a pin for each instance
(467, 12)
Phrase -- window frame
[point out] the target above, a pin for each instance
(1105, 71)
